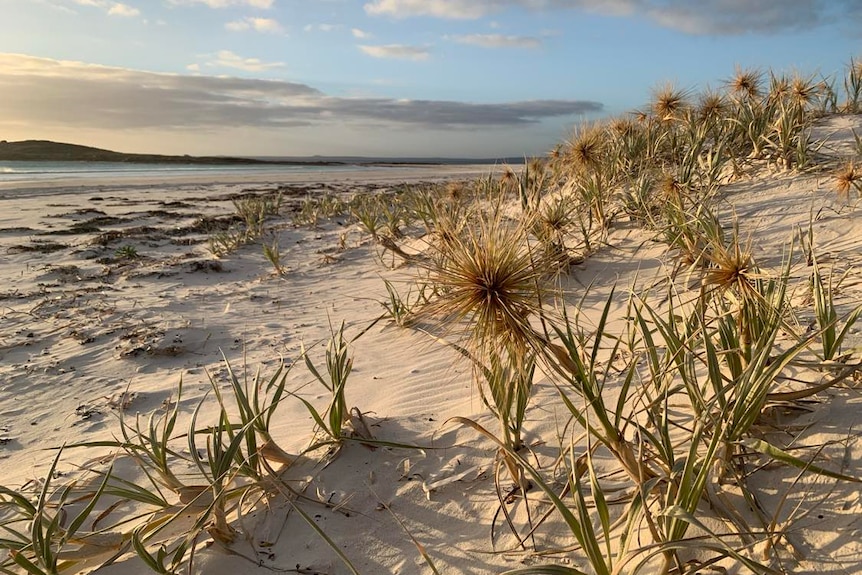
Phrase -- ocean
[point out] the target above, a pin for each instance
(13, 172)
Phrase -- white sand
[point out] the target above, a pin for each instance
(79, 337)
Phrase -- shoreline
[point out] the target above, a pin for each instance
(376, 174)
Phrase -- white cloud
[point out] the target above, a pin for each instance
(499, 41)
(360, 34)
(265, 25)
(112, 8)
(193, 68)
(396, 51)
(259, 4)
(124, 10)
(227, 59)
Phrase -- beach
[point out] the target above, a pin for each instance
(116, 293)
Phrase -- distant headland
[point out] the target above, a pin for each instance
(48, 151)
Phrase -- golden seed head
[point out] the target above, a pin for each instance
(746, 83)
(669, 103)
(847, 178)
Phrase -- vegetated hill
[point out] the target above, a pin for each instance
(47, 151)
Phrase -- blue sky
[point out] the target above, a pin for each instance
(466, 78)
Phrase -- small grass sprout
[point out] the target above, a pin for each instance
(273, 255)
(127, 252)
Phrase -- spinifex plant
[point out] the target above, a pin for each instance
(489, 284)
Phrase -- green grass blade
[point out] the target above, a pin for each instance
(780, 455)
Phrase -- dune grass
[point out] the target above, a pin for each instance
(664, 394)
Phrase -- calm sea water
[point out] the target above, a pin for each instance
(47, 171)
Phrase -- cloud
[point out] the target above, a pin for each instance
(499, 41)
(264, 25)
(322, 27)
(396, 51)
(53, 94)
(124, 10)
(260, 4)
(227, 59)
(360, 34)
(706, 17)
(112, 8)
(453, 9)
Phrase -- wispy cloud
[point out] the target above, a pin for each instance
(707, 17)
(322, 27)
(260, 4)
(68, 95)
(265, 25)
(111, 8)
(499, 41)
(227, 59)
(360, 34)
(396, 51)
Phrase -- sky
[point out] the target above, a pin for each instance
(395, 78)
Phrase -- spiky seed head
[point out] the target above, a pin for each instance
(669, 103)
(455, 190)
(557, 152)
(804, 90)
(670, 188)
(587, 148)
(731, 267)
(746, 83)
(508, 178)
(489, 284)
(622, 126)
(711, 106)
(536, 165)
(847, 178)
(779, 88)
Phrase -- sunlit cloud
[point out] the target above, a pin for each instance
(499, 41)
(396, 51)
(111, 8)
(124, 10)
(227, 59)
(360, 34)
(264, 25)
